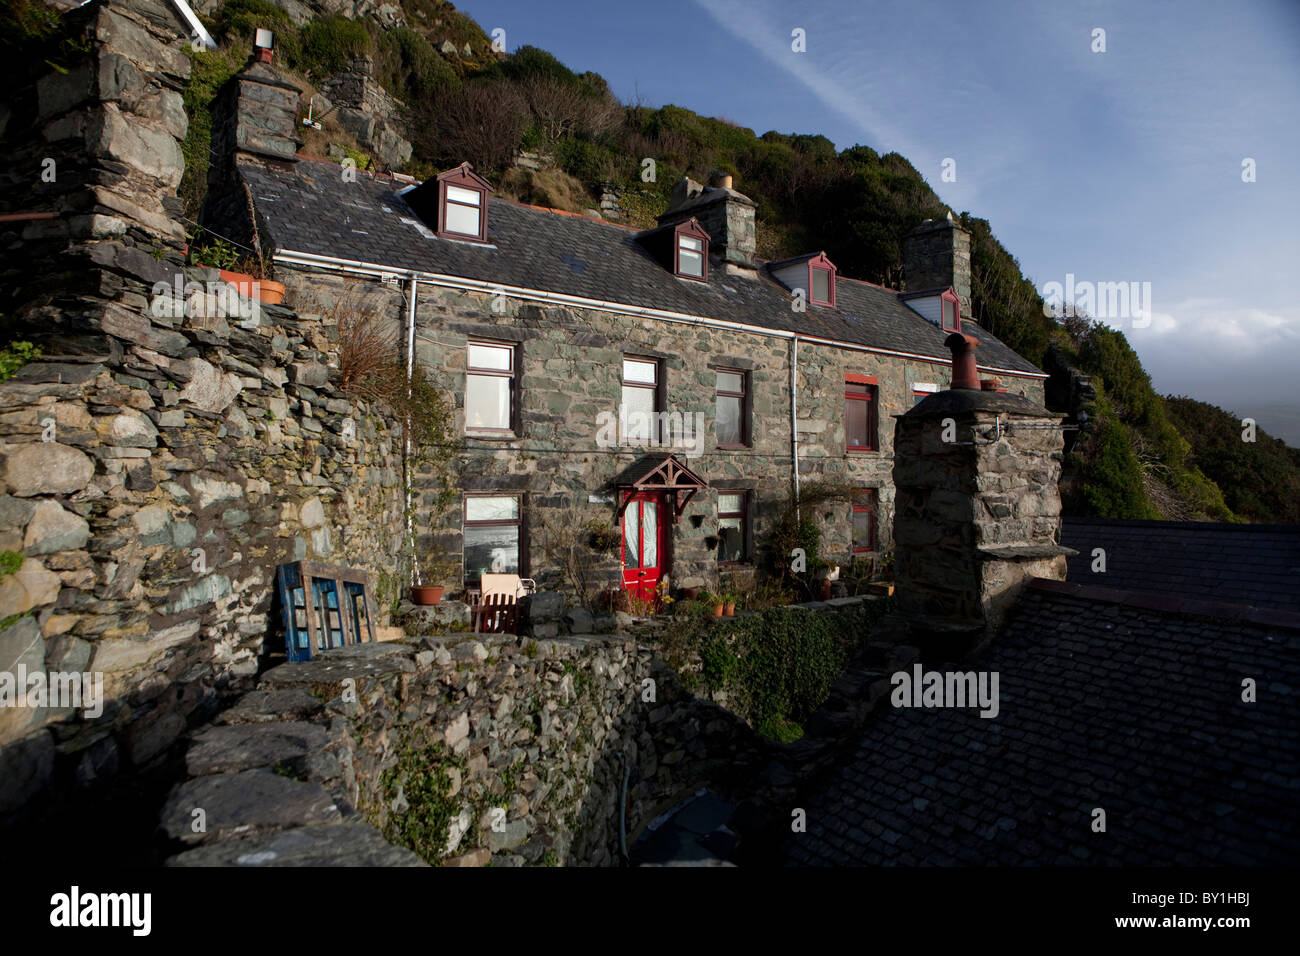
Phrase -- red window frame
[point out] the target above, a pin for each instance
(869, 494)
(743, 515)
(861, 388)
(463, 178)
(743, 395)
(950, 298)
(693, 230)
(512, 374)
(819, 263)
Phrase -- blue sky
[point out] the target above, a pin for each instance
(1115, 166)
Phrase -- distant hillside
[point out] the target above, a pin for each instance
(1142, 457)
(1282, 421)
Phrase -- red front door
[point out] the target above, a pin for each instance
(643, 545)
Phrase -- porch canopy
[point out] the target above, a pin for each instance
(658, 474)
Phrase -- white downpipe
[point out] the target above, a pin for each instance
(794, 420)
(412, 285)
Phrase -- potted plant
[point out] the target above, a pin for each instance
(252, 274)
(823, 574)
(709, 599)
(426, 593)
(729, 600)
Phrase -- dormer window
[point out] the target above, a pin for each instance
(462, 204)
(950, 316)
(821, 280)
(691, 242)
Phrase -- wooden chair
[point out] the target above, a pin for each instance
(498, 607)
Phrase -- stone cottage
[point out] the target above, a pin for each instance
(666, 382)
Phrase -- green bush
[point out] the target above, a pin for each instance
(14, 356)
(209, 71)
(407, 66)
(330, 44)
(239, 20)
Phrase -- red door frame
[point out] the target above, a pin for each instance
(640, 580)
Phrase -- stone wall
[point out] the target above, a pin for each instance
(531, 744)
(571, 367)
(152, 492)
(978, 510)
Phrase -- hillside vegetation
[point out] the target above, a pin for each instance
(1144, 457)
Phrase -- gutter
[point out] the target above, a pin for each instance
(357, 267)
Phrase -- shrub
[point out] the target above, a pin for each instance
(14, 356)
(407, 66)
(330, 44)
(238, 20)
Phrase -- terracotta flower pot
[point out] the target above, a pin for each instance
(719, 610)
(824, 590)
(426, 594)
(690, 594)
(729, 611)
(267, 290)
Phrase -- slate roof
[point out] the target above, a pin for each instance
(1102, 705)
(310, 209)
(1256, 565)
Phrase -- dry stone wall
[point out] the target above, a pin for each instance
(151, 495)
(471, 749)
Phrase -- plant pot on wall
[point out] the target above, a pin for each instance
(268, 291)
(426, 594)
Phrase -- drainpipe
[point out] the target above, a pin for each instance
(794, 420)
(410, 372)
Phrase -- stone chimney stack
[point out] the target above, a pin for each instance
(976, 507)
(728, 217)
(254, 118)
(936, 254)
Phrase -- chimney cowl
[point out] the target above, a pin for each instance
(964, 374)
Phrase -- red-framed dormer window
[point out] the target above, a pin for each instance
(691, 251)
(950, 312)
(462, 204)
(821, 280)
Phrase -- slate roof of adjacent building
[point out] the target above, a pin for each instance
(1129, 709)
(1256, 565)
(310, 209)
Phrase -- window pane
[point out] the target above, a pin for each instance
(728, 420)
(731, 539)
(490, 550)
(461, 219)
(638, 414)
(468, 196)
(649, 534)
(639, 370)
(487, 401)
(492, 508)
(731, 382)
(949, 315)
(856, 388)
(632, 535)
(855, 422)
(688, 243)
(862, 529)
(730, 504)
(821, 285)
(690, 263)
(490, 356)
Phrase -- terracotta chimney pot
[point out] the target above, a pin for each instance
(963, 348)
